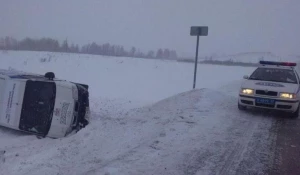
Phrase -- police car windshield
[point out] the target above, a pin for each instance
(275, 75)
(38, 106)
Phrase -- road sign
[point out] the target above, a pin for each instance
(197, 31)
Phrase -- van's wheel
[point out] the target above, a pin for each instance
(241, 107)
(296, 113)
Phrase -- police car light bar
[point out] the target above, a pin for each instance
(278, 63)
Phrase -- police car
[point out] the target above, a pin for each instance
(273, 85)
(41, 104)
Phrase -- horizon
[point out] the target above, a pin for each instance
(146, 51)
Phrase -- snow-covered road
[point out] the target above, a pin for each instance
(198, 132)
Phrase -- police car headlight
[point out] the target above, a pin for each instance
(247, 91)
(287, 95)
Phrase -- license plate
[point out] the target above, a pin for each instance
(265, 101)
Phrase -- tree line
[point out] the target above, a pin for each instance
(107, 49)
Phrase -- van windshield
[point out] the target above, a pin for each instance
(38, 106)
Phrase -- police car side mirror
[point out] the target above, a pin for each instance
(246, 77)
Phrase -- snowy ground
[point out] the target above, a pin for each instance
(146, 120)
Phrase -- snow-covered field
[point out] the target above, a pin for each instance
(129, 81)
(146, 120)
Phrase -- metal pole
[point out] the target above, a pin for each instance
(196, 62)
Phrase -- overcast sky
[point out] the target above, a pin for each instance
(234, 25)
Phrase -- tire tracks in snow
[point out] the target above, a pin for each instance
(253, 151)
(240, 147)
(239, 158)
(235, 153)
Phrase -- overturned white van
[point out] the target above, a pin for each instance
(41, 104)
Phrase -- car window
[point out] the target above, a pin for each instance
(275, 75)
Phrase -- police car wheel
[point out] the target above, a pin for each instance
(296, 113)
(241, 107)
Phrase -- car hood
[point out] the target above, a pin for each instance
(271, 86)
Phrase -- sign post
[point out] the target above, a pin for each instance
(197, 31)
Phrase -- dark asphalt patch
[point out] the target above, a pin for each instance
(287, 149)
